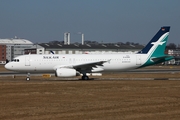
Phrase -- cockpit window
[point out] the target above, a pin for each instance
(15, 60)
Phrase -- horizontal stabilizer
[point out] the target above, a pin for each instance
(157, 59)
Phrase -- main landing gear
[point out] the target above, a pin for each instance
(85, 77)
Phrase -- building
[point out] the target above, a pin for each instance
(2, 54)
(46, 48)
(176, 54)
(14, 47)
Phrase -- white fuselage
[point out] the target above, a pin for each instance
(49, 62)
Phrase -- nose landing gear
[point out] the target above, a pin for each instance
(28, 77)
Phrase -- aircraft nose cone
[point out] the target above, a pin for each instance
(8, 66)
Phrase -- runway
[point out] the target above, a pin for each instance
(6, 73)
(152, 73)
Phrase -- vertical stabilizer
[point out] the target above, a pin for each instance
(156, 46)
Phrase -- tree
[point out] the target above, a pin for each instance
(171, 46)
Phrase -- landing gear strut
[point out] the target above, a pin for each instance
(28, 77)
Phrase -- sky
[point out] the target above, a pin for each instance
(104, 21)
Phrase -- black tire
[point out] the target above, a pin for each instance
(85, 78)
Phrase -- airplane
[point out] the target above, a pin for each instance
(71, 65)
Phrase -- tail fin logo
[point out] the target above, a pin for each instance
(161, 40)
(158, 43)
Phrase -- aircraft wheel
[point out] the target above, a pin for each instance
(85, 78)
(28, 78)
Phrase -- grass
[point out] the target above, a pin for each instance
(44, 99)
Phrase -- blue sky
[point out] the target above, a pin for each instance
(100, 20)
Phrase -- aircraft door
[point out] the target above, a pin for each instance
(138, 60)
(27, 61)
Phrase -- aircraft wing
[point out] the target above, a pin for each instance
(84, 66)
(88, 66)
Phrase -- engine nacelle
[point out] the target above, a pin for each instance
(65, 72)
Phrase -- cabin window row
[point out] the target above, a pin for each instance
(82, 59)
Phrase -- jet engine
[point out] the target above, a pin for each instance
(65, 72)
